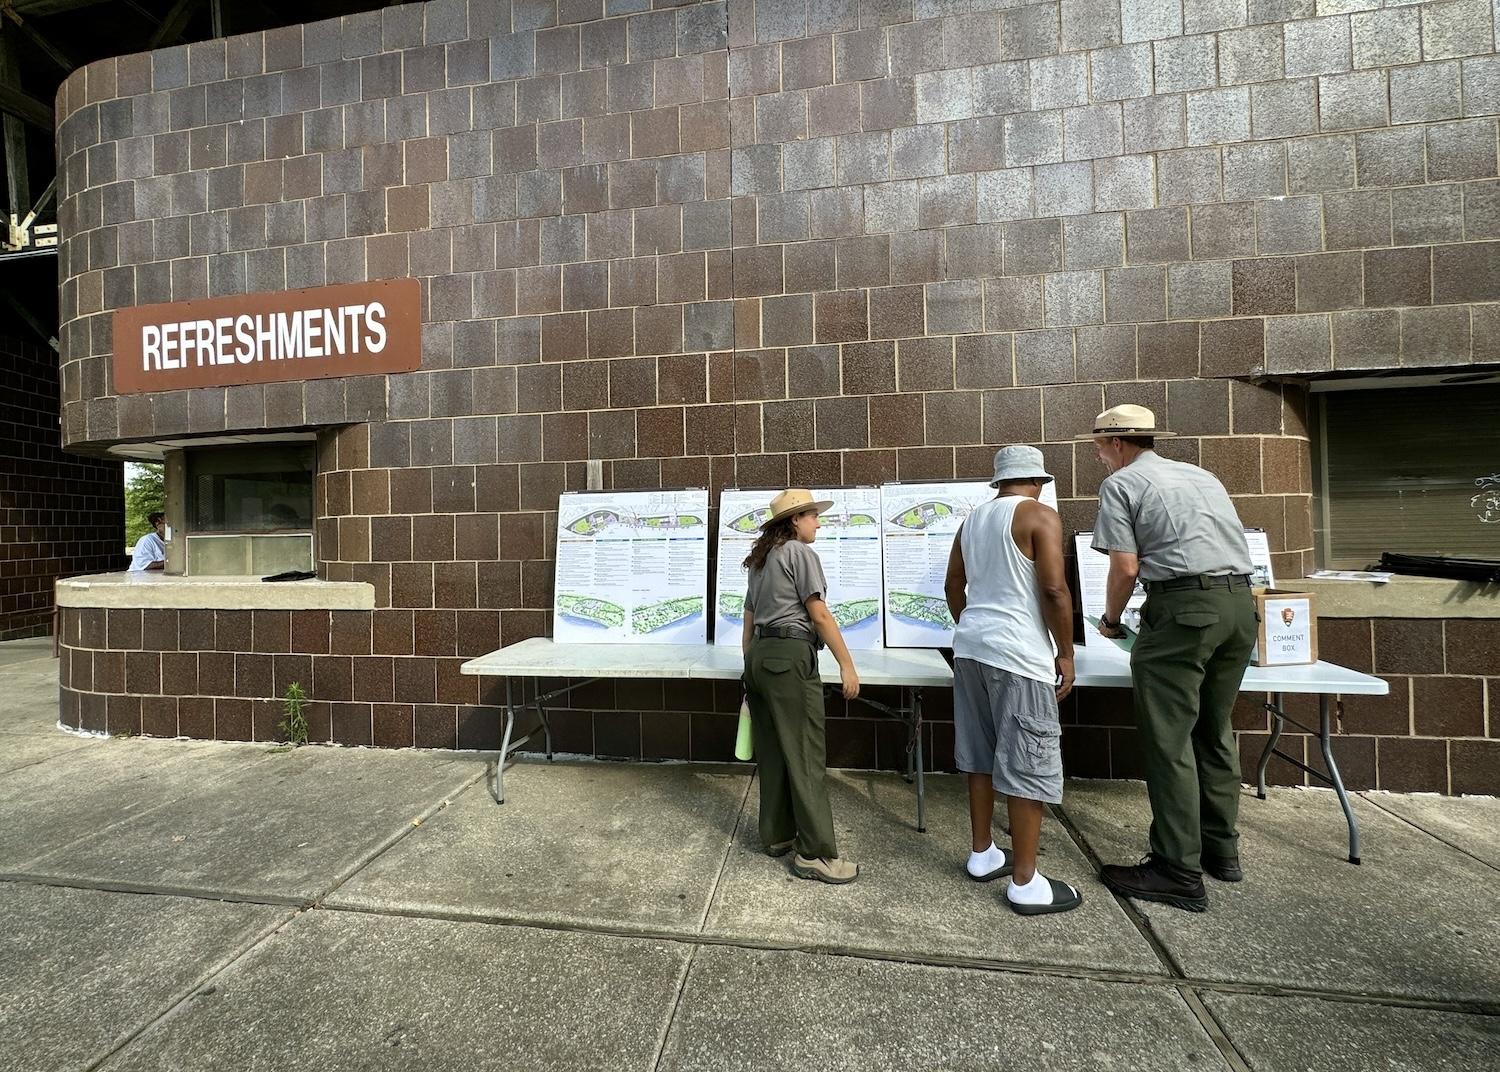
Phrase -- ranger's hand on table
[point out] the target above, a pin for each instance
(1113, 630)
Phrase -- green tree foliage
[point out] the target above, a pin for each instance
(145, 493)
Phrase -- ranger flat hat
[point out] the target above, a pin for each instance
(1126, 420)
(794, 501)
(1019, 463)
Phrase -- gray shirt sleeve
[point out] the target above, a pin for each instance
(805, 570)
(1115, 529)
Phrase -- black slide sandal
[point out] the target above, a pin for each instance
(1064, 898)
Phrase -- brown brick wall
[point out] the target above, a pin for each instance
(60, 514)
(780, 242)
(390, 678)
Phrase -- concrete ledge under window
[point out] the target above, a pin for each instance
(1401, 597)
(150, 591)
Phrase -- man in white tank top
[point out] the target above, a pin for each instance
(1013, 661)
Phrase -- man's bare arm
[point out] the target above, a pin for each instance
(955, 584)
(1052, 576)
(1045, 529)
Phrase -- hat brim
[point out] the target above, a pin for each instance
(1045, 478)
(1159, 433)
(822, 506)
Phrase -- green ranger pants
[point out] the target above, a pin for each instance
(1187, 665)
(786, 717)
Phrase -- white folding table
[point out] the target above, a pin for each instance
(577, 665)
(1098, 664)
(1103, 664)
(910, 670)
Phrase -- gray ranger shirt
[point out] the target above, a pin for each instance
(778, 591)
(1176, 517)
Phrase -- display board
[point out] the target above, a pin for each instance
(848, 544)
(1093, 575)
(918, 523)
(632, 567)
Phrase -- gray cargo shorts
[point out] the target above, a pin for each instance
(1007, 726)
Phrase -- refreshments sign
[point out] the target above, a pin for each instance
(355, 329)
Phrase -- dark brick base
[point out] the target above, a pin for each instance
(361, 695)
(60, 514)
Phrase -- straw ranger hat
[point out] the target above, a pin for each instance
(794, 501)
(1126, 420)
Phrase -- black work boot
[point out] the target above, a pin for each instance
(1223, 868)
(1153, 879)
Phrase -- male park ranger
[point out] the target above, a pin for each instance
(1173, 525)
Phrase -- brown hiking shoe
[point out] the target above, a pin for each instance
(835, 872)
(780, 848)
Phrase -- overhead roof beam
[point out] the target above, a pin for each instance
(36, 8)
(55, 54)
(26, 107)
(174, 24)
(17, 178)
(25, 316)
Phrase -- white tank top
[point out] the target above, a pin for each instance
(1002, 623)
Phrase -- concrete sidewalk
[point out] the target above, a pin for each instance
(175, 905)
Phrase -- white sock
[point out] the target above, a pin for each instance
(986, 862)
(1036, 892)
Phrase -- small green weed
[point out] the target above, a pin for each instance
(293, 726)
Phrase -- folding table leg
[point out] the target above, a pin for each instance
(1325, 743)
(916, 729)
(510, 724)
(1278, 723)
(1325, 738)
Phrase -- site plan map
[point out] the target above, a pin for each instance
(632, 567)
(848, 545)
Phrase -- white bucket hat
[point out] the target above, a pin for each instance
(1019, 463)
(1126, 420)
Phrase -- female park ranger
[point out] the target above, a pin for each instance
(786, 622)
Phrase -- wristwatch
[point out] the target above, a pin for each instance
(1105, 623)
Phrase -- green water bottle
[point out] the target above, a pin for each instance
(743, 747)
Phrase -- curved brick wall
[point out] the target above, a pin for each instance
(768, 243)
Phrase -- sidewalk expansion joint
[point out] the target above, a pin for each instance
(173, 1005)
(400, 835)
(1142, 924)
(1214, 1030)
(713, 893)
(686, 936)
(1206, 1020)
(1430, 833)
(147, 889)
(665, 1035)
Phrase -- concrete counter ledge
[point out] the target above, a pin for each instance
(150, 591)
(1401, 597)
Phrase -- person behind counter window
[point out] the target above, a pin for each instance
(786, 621)
(150, 552)
(1007, 589)
(1173, 525)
